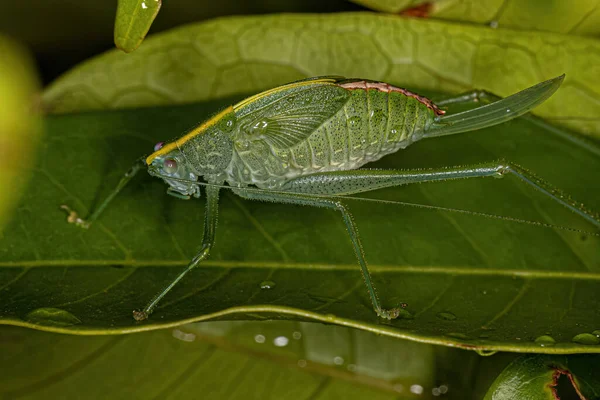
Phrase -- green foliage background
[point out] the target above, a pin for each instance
(471, 282)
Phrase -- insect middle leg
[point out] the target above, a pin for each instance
(303, 199)
(314, 189)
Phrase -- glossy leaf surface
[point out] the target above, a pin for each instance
(468, 280)
(232, 360)
(580, 17)
(247, 54)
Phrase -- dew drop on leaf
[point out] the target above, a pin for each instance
(486, 353)
(404, 314)
(545, 341)
(448, 316)
(266, 285)
(50, 316)
(586, 338)
(458, 335)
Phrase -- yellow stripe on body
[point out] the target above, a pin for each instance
(260, 95)
(182, 140)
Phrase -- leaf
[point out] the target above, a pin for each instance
(19, 126)
(469, 281)
(248, 54)
(230, 360)
(580, 17)
(538, 377)
(133, 20)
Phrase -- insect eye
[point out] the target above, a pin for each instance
(158, 146)
(170, 166)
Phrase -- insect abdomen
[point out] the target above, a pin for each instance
(378, 119)
(394, 117)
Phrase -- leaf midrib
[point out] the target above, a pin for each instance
(448, 270)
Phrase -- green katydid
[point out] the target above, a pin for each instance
(302, 143)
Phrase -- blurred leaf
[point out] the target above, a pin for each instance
(68, 33)
(247, 54)
(579, 17)
(469, 281)
(19, 126)
(133, 20)
(230, 360)
(538, 378)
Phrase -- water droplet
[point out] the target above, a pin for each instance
(508, 110)
(338, 360)
(404, 314)
(493, 24)
(266, 285)
(448, 316)
(398, 387)
(261, 125)
(351, 367)
(443, 389)
(281, 341)
(302, 363)
(395, 132)
(52, 317)
(416, 389)
(545, 341)
(183, 336)
(458, 335)
(597, 333)
(354, 122)
(436, 391)
(297, 335)
(378, 117)
(259, 338)
(486, 353)
(586, 338)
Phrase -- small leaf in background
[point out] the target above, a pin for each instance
(580, 17)
(133, 20)
(545, 377)
(236, 55)
(20, 127)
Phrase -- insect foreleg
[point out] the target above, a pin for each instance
(85, 223)
(356, 181)
(208, 240)
(300, 199)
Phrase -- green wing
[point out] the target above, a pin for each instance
(287, 115)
